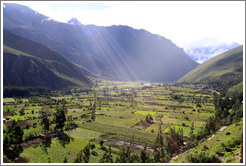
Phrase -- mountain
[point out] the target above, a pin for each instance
(74, 21)
(115, 52)
(205, 53)
(226, 68)
(27, 63)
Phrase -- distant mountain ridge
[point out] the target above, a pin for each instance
(205, 53)
(27, 63)
(115, 52)
(74, 21)
(226, 68)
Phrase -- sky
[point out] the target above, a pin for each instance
(188, 24)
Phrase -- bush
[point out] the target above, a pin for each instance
(202, 157)
(230, 161)
(103, 148)
(27, 126)
(94, 153)
(92, 146)
(186, 118)
(234, 143)
(193, 143)
(34, 125)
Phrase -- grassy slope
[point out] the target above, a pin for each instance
(236, 89)
(31, 64)
(224, 66)
(215, 144)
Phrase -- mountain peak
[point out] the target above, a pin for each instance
(204, 53)
(74, 21)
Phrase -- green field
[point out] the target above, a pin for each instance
(120, 116)
(145, 112)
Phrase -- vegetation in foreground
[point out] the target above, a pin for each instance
(123, 122)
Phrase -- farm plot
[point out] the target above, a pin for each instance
(116, 114)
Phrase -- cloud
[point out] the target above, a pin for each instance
(204, 53)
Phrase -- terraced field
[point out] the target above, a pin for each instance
(120, 116)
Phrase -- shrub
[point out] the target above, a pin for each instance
(104, 148)
(94, 153)
(186, 118)
(27, 126)
(234, 143)
(34, 125)
(202, 157)
(92, 146)
(230, 161)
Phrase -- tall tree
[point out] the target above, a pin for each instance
(15, 133)
(107, 156)
(45, 122)
(60, 118)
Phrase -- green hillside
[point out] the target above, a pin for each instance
(223, 147)
(227, 67)
(27, 63)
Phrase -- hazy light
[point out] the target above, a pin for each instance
(185, 23)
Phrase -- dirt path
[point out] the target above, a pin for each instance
(221, 129)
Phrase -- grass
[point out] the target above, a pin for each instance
(6, 109)
(8, 100)
(120, 131)
(124, 122)
(33, 107)
(186, 130)
(18, 117)
(191, 117)
(56, 152)
(215, 144)
(206, 114)
(16, 52)
(84, 134)
(34, 131)
(145, 112)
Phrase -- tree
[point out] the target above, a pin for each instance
(70, 123)
(45, 122)
(159, 147)
(86, 151)
(175, 139)
(17, 150)
(149, 118)
(79, 157)
(93, 117)
(92, 146)
(192, 130)
(101, 143)
(15, 133)
(107, 156)
(22, 112)
(83, 155)
(65, 160)
(144, 157)
(60, 118)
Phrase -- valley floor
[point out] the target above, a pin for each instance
(116, 115)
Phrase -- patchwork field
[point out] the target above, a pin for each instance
(123, 112)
